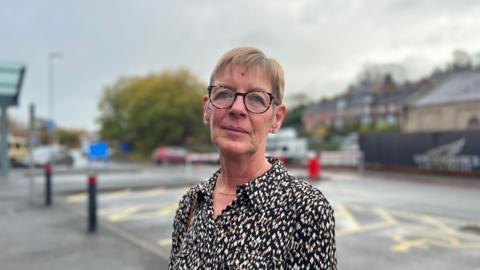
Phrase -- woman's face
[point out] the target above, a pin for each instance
(235, 131)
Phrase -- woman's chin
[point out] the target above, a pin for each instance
(234, 148)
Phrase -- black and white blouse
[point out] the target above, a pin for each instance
(276, 222)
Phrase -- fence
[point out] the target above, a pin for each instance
(446, 152)
(342, 159)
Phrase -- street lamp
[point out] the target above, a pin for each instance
(51, 58)
(50, 125)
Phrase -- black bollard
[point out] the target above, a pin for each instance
(48, 184)
(92, 203)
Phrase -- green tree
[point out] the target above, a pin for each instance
(154, 110)
(69, 137)
(294, 117)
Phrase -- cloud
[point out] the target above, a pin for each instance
(321, 44)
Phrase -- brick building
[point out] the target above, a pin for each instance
(453, 104)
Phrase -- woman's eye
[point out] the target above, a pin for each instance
(223, 93)
(257, 98)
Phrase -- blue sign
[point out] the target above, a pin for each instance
(98, 150)
(49, 124)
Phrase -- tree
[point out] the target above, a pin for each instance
(294, 117)
(69, 137)
(154, 110)
(376, 73)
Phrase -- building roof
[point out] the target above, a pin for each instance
(396, 97)
(459, 87)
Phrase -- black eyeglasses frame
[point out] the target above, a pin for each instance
(210, 88)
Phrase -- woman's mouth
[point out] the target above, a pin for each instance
(238, 130)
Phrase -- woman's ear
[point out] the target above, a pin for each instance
(280, 112)
(207, 110)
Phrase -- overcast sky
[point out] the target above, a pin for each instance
(322, 45)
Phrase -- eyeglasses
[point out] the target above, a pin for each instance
(255, 101)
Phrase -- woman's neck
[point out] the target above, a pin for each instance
(236, 171)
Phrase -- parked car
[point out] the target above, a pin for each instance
(17, 150)
(169, 154)
(58, 155)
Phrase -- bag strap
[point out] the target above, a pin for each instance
(192, 211)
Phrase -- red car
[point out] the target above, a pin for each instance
(169, 154)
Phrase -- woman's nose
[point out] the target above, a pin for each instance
(238, 106)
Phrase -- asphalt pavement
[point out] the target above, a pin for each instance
(384, 220)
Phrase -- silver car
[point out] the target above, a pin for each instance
(42, 155)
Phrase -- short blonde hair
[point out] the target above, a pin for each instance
(253, 58)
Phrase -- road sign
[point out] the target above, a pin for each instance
(98, 150)
(49, 124)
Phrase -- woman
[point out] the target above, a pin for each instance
(250, 214)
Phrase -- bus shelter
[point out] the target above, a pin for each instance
(11, 79)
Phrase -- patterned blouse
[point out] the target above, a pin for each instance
(276, 222)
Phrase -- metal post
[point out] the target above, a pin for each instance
(48, 185)
(51, 57)
(92, 203)
(5, 162)
(31, 144)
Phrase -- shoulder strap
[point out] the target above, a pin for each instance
(192, 211)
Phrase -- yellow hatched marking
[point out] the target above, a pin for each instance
(342, 211)
(429, 231)
(387, 221)
(436, 233)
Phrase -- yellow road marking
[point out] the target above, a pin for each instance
(436, 233)
(137, 212)
(387, 221)
(342, 211)
(165, 242)
(405, 246)
(77, 197)
(80, 197)
(386, 216)
(440, 223)
(429, 231)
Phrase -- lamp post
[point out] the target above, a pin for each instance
(51, 85)
(51, 59)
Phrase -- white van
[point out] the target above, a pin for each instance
(286, 143)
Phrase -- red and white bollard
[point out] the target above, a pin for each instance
(314, 167)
